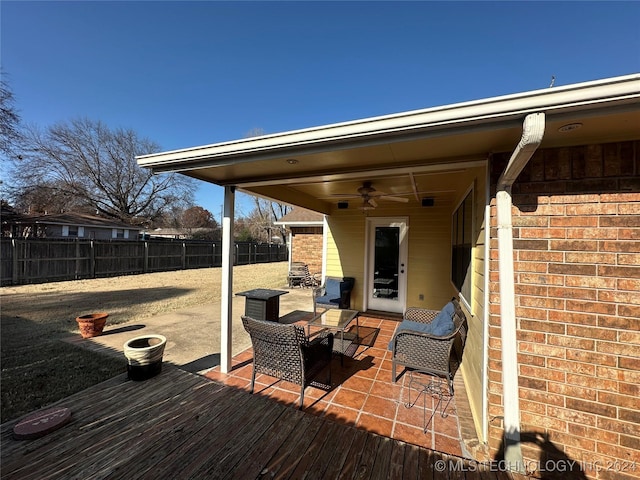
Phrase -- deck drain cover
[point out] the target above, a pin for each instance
(40, 423)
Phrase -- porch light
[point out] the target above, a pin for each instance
(570, 127)
(292, 161)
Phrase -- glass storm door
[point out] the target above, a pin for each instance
(387, 257)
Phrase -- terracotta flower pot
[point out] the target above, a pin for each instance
(91, 325)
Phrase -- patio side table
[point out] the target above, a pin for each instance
(262, 303)
(338, 319)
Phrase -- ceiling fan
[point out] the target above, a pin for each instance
(370, 196)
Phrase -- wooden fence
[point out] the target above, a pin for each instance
(52, 260)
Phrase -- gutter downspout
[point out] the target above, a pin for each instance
(532, 133)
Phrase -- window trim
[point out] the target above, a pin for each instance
(469, 193)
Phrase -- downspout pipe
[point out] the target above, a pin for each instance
(532, 133)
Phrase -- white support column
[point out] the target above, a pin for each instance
(226, 310)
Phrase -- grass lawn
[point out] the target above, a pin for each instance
(38, 368)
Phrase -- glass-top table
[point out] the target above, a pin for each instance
(338, 320)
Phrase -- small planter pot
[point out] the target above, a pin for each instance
(91, 325)
(144, 356)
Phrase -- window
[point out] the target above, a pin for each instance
(462, 246)
(72, 231)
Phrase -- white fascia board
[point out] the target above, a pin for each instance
(445, 117)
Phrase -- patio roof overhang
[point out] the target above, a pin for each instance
(398, 152)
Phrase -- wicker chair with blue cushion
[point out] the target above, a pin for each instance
(284, 352)
(334, 293)
(430, 341)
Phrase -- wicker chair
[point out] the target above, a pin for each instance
(424, 352)
(334, 293)
(284, 352)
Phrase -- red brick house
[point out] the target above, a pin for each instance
(527, 208)
(305, 237)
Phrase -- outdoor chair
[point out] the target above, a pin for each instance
(430, 341)
(284, 352)
(299, 275)
(334, 293)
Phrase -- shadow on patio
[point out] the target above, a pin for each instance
(363, 395)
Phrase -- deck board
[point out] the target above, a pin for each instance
(181, 425)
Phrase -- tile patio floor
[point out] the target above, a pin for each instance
(363, 394)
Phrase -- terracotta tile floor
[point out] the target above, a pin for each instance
(362, 393)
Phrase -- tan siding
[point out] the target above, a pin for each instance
(429, 261)
(473, 359)
(345, 249)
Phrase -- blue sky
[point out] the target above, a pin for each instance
(195, 73)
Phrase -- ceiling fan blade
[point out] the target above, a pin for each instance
(394, 199)
(372, 202)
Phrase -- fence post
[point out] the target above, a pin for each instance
(14, 273)
(184, 255)
(92, 259)
(213, 254)
(77, 241)
(145, 265)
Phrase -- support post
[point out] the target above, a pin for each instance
(226, 311)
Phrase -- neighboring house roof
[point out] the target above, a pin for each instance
(311, 168)
(175, 232)
(165, 232)
(301, 217)
(77, 219)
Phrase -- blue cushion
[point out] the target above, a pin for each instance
(440, 326)
(328, 299)
(443, 323)
(449, 309)
(332, 288)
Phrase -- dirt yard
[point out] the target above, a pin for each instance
(39, 369)
(130, 298)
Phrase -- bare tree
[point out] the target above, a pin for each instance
(261, 219)
(97, 166)
(10, 134)
(49, 197)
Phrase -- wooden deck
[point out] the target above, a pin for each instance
(180, 425)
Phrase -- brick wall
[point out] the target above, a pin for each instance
(577, 271)
(306, 246)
